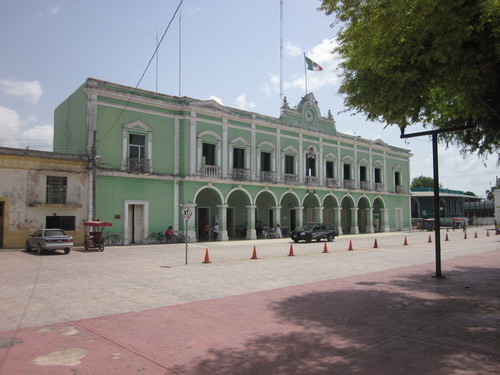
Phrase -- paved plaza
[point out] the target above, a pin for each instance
(141, 309)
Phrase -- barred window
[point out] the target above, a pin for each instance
(56, 189)
(60, 222)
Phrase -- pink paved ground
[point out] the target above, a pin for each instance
(401, 321)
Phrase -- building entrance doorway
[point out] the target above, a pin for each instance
(135, 223)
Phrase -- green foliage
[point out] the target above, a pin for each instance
(423, 182)
(434, 62)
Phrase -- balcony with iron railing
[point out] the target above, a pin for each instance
(291, 179)
(350, 184)
(331, 182)
(240, 174)
(267, 176)
(138, 166)
(312, 180)
(210, 171)
(366, 185)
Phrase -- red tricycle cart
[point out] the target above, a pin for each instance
(94, 239)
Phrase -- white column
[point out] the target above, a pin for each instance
(369, 220)
(300, 216)
(276, 215)
(251, 233)
(222, 222)
(354, 221)
(338, 219)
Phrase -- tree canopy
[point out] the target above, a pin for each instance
(434, 62)
(423, 182)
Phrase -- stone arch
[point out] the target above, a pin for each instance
(312, 208)
(365, 217)
(206, 199)
(291, 211)
(380, 218)
(240, 214)
(331, 210)
(265, 214)
(347, 223)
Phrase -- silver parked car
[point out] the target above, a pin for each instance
(49, 240)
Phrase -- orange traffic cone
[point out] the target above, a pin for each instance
(446, 238)
(207, 258)
(350, 246)
(325, 249)
(254, 254)
(406, 242)
(465, 235)
(487, 233)
(475, 234)
(430, 239)
(375, 244)
(290, 253)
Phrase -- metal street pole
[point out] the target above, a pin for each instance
(435, 167)
(437, 212)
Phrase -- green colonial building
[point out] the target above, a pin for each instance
(151, 155)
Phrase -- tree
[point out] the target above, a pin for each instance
(423, 182)
(490, 195)
(470, 193)
(434, 62)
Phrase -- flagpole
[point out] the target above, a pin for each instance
(180, 55)
(281, 53)
(305, 70)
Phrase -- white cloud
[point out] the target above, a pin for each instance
(292, 49)
(38, 137)
(193, 10)
(52, 11)
(29, 91)
(10, 126)
(321, 54)
(216, 98)
(273, 86)
(241, 102)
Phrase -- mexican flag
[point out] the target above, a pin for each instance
(311, 65)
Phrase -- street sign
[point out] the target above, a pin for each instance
(186, 211)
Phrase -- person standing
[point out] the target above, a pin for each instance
(169, 234)
(277, 231)
(216, 231)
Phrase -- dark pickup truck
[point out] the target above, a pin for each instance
(314, 231)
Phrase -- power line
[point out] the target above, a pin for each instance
(144, 72)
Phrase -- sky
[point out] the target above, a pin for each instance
(226, 50)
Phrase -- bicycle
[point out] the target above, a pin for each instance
(156, 237)
(113, 239)
(180, 237)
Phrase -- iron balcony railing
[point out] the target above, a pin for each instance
(350, 184)
(331, 182)
(138, 166)
(365, 185)
(312, 180)
(267, 176)
(240, 174)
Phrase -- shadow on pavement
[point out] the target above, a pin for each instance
(412, 324)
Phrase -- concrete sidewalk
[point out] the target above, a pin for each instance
(396, 321)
